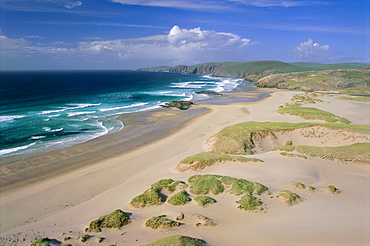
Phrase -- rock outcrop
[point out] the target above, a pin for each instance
(183, 105)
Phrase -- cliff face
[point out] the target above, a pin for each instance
(208, 68)
(285, 75)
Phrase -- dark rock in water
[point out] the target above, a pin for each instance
(209, 93)
(183, 105)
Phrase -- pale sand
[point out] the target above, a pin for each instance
(68, 202)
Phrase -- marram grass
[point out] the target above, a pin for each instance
(179, 199)
(116, 219)
(238, 139)
(202, 160)
(357, 153)
(204, 200)
(289, 197)
(311, 113)
(161, 222)
(177, 240)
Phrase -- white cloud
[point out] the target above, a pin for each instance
(179, 4)
(70, 5)
(13, 47)
(212, 4)
(310, 50)
(277, 3)
(40, 5)
(179, 46)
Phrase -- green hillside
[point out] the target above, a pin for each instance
(320, 66)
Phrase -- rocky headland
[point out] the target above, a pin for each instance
(347, 78)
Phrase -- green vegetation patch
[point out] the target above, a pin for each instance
(205, 221)
(150, 197)
(242, 186)
(204, 200)
(176, 185)
(238, 139)
(41, 242)
(179, 199)
(202, 160)
(305, 98)
(289, 197)
(203, 184)
(332, 189)
(311, 113)
(168, 184)
(116, 219)
(248, 202)
(85, 237)
(163, 183)
(310, 188)
(299, 185)
(293, 155)
(358, 152)
(161, 222)
(177, 240)
(357, 99)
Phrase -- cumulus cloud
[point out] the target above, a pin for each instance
(310, 50)
(179, 45)
(13, 47)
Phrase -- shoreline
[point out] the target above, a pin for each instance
(68, 202)
(140, 129)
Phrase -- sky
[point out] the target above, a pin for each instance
(130, 34)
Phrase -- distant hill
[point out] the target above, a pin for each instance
(321, 66)
(155, 69)
(342, 77)
(253, 69)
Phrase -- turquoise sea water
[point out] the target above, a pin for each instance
(54, 109)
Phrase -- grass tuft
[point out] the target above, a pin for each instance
(203, 184)
(205, 221)
(332, 189)
(202, 160)
(248, 202)
(116, 219)
(85, 237)
(357, 153)
(41, 242)
(299, 185)
(289, 197)
(242, 186)
(204, 200)
(293, 155)
(150, 197)
(311, 113)
(163, 183)
(177, 240)
(179, 199)
(161, 222)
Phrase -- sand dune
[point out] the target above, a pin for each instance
(64, 205)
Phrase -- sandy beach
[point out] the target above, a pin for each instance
(104, 174)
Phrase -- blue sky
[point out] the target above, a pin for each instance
(129, 34)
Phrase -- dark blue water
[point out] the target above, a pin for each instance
(54, 109)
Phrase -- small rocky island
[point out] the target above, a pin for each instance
(183, 105)
(208, 93)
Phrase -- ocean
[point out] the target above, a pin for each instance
(48, 110)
